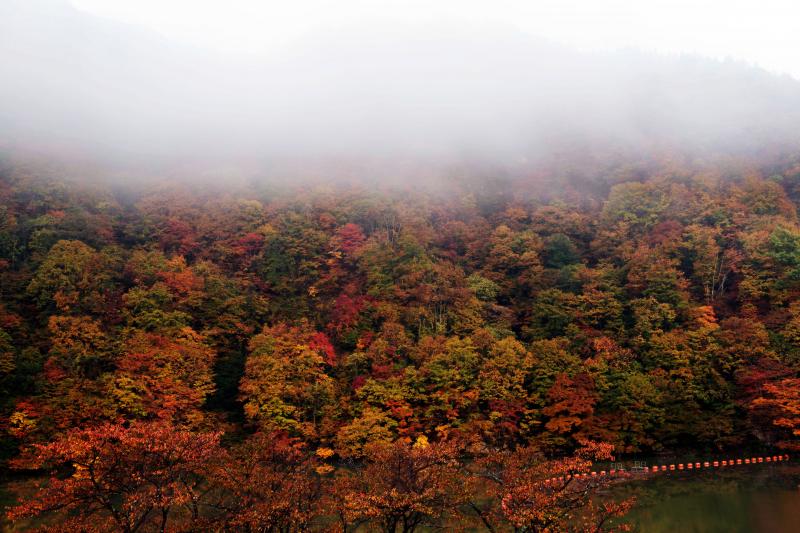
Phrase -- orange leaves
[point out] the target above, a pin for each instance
(164, 377)
(182, 282)
(533, 493)
(271, 484)
(121, 475)
(573, 401)
(402, 485)
(79, 345)
(782, 399)
(153, 476)
(705, 318)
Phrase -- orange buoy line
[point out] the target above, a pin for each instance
(718, 463)
(679, 466)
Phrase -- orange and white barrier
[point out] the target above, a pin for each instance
(671, 467)
(717, 463)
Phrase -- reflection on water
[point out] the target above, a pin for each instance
(762, 499)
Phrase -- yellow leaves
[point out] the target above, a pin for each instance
(80, 471)
(421, 442)
(20, 424)
(373, 426)
(188, 334)
(267, 230)
(126, 395)
(312, 291)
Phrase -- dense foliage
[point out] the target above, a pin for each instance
(329, 356)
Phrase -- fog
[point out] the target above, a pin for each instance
(76, 84)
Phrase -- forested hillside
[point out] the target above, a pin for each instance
(280, 338)
(313, 266)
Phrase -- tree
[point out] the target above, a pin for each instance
(7, 354)
(285, 385)
(348, 239)
(402, 486)
(70, 277)
(447, 380)
(782, 399)
(79, 347)
(559, 251)
(529, 493)
(165, 375)
(504, 384)
(572, 403)
(270, 483)
(373, 426)
(145, 476)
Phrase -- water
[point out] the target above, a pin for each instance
(752, 499)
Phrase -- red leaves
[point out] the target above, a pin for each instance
(153, 476)
(248, 244)
(178, 236)
(346, 311)
(349, 238)
(8, 320)
(320, 343)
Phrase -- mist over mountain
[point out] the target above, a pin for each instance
(74, 83)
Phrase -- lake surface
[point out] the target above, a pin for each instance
(742, 499)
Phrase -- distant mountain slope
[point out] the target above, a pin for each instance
(75, 81)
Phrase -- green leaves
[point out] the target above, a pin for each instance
(784, 249)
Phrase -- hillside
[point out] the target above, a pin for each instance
(659, 316)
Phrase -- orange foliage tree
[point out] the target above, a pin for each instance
(524, 490)
(145, 476)
(270, 483)
(782, 399)
(401, 487)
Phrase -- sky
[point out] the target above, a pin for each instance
(765, 32)
(446, 80)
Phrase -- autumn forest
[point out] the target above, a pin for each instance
(333, 357)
